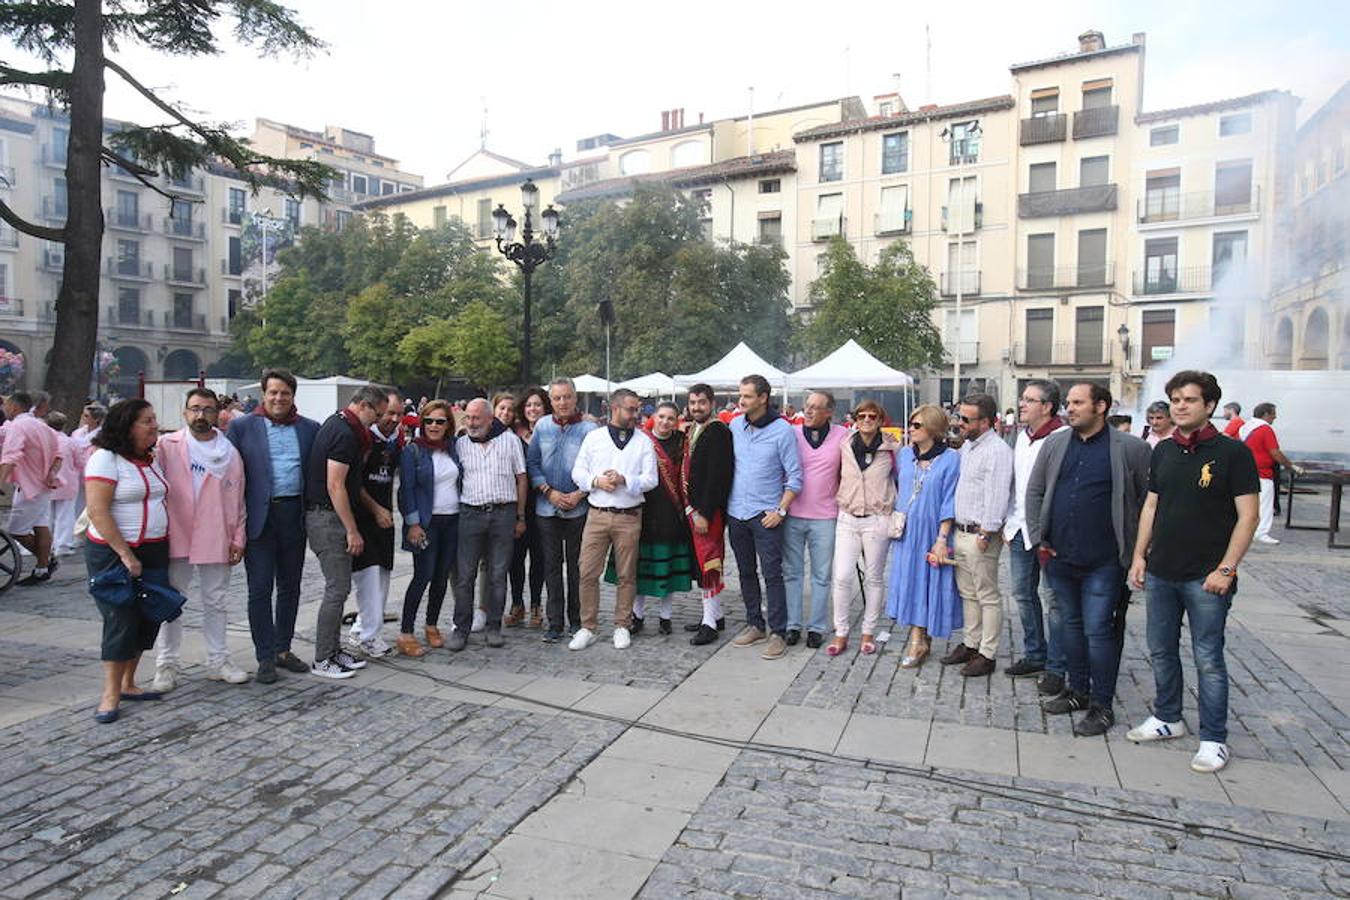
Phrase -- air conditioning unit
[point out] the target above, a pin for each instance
(56, 257)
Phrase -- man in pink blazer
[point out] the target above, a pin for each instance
(29, 459)
(206, 533)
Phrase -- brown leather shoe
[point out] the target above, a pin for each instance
(961, 654)
(536, 618)
(408, 645)
(515, 618)
(979, 666)
(434, 639)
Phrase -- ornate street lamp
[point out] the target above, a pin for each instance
(527, 253)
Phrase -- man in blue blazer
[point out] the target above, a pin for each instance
(275, 442)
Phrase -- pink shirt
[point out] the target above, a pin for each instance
(202, 525)
(69, 476)
(30, 445)
(820, 475)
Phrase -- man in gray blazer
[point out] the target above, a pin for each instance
(1083, 501)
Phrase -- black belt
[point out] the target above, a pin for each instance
(620, 510)
(310, 507)
(485, 507)
(286, 499)
(969, 529)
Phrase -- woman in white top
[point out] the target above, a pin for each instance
(428, 497)
(128, 526)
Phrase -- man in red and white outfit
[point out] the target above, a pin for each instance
(206, 533)
(29, 458)
(1258, 434)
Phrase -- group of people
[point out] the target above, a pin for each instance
(1087, 512)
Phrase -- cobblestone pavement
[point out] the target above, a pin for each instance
(392, 784)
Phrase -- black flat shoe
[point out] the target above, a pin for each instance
(635, 627)
(794, 637)
(664, 626)
(143, 696)
(106, 716)
(814, 639)
(693, 626)
(705, 635)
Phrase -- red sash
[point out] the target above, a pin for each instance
(710, 548)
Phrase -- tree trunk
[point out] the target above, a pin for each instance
(77, 304)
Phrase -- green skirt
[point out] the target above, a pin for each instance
(663, 568)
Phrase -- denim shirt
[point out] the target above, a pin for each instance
(549, 460)
(284, 445)
(766, 465)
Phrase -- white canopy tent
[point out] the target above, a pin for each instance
(590, 384)
(655, 384)
(727, 372)
(852, 368)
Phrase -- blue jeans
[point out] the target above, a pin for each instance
(1087, 599)
(798, 536)
(432, 567)
(1207, 615)
(276, 557)
(1037, 608)
(757, 547)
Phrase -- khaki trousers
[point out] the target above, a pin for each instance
(977, 582)
(606, 528)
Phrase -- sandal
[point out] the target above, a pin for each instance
(515, 618)
(837, 646)
(868, 646)
(916, 651)
(434, 639)
(408, 645)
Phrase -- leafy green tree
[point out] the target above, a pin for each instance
(282, 326)
(481, 345)
(68, 39)
(377, 319)
(886, 308)
(426, 352)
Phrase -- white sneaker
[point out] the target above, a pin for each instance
(166, 678)
(622, 639)
(1211, 757)
(227, 672)
(479, 621)
(582, 639)
(376, 647)
(1266, 539)
(329, 668)
(1155, 729)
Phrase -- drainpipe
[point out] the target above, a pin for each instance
(731, 231)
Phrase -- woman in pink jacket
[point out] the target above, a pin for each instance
(206, 533)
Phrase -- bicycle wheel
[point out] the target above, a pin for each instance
(10, 563)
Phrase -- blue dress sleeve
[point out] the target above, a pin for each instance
(950, 472)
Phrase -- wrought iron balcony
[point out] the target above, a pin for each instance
(1099, 122)
(119, 220)
(969, 350)
(1189, 280)
(11, 308)
(1044, 129)
(1161, 206)
(1076, 354)
(187, 322)
(129, 317)
(188, 184)
(1067, 202)
(185, 275)
(227, 269)
(1091, 276)
(185, 228)
(232, 215)
(968, 281)
(129, 269)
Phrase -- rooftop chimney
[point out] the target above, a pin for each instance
(555, 158)
(665, 120)
(1091, 40)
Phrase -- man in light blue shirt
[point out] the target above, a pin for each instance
(768, 476)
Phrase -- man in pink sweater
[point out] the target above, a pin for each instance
(29, 459)
(810, 524)
(206, 533)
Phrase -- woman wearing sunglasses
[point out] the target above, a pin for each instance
(922, 590)
(866, 496)
(428, 496)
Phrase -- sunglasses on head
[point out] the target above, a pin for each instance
(434, 421)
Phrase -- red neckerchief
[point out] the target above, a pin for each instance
(289, 419)
(1188, 443)
(1046, 429)
(428, 444)
(573, 419)
(362, 432)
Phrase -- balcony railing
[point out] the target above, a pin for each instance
(1074, 354)
(1068, 202)
(184, 228)
(9, 238)
(227, 269)
(128, 221)
(341, 195)
(133, 269)
(968, 282)
(54, 208)
(969, 350)
(54, 260)
(188, 322)
(185, 275)
(129, 317)
(1044, 129)
(8, 177)
(232, 215)
(54, 156)
(824, 229)
(893, 222)
(1159, 206)
(191, 184)
(11, 307)
(1190, 280)
(1099, 122)
(119, 172)
(1066, 278)
(951, 228)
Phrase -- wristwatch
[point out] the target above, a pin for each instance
(1227, 571)
(782, 513)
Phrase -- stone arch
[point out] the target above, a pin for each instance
(131, 362)
(182, 365)
(1316, 340)
(1283, 351)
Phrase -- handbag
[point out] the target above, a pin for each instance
(113, 586)
(158, 600)
(895, 528)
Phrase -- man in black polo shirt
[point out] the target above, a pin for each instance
(1195, 527)
(334, 487)
(1083, 502)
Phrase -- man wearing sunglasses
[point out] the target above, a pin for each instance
(983, 495)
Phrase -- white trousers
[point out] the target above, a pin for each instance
(63, 525)
(213, 580)
(372, 590)
(856, 538)
(1267, 507)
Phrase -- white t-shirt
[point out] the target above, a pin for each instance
(447, 489)
(138, 498)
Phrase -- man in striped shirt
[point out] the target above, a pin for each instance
(983, 495)
(491, 517)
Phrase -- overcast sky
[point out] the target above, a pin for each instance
(416, 74)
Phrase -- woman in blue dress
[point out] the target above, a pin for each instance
(922, 590)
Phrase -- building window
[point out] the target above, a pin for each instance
(182, 264)
(961, 215)
(1041, 178)
(343, 219)
(128, 258)
(704, 201)
(1162, 195)
(293, 212)
(182, 310)
(181, 213)
(1044, 103)
(1160, 266)
(60, 140)
(358, 184)
(1233, 187)
(771, 228)
(235, 210)
(437, 216)
(387, 188)
(234, 265)
(59, 198)
(895, 153)
(965, 144)
(1159, 336)
(1097, 97)
(485, 218)
(1040, 261)
(128, 209)
(234, 301)
(1092, 271)
(1089, 336)
(129, 306)
(1230, 254)
(770, 186)
(1094, 171)
(1237, 123)
(1040, 336)
(894, 215)
(635, 162)
(832, 161)
(829, 219)
(962, 274)
(1164, 135)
